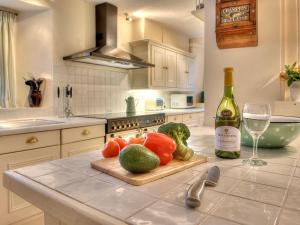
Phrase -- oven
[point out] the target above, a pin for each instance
(130, 125)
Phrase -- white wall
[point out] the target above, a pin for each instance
(197, 48)
(34, 53)
(153, 30)
(254, 66)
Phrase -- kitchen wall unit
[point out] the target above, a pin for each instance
(190, 119)
(149, 29)
(33, 148)
(174, 68)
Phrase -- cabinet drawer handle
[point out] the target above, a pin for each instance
(85, 132)
(32, 140)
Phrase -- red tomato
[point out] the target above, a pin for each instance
(138, 141)
(122, 142)
(111, 149)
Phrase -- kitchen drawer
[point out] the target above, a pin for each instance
(76, 148)
(14, 209)
(82, 133)
(192, 119)
(175, 119)
(20, 142)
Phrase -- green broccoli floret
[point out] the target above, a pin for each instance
(179, 132)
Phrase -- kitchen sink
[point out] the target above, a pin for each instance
(11, 124)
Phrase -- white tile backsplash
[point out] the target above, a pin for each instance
(97, 90)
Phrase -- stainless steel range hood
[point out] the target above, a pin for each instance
(106, 53)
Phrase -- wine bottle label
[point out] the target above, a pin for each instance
(228, 139)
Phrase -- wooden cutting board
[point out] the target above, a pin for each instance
(112, 167)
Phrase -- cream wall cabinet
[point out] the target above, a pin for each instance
(171, 71)
(184, 72)
(14, 209)
(158, 78)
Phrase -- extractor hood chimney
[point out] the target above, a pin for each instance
(106, 52)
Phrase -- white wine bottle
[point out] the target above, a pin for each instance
(227, 123)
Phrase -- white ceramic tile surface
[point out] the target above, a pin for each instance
(185, 176)
(121, 202)
(38, 170)
(208, 201)
(246, 211)
(212, 220)
(59, 178)
(289, 217)
(109, 179)
(163, 213)
(293, 199)
(297, 172)
(225, 184)
(266, 178)
(259, 192)
(244, 195)
(96, 90)
(156, 188)
(86, 190)
(277, 168)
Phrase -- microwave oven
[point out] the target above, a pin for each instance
(182, 101)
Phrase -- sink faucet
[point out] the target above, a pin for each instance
(68, 94)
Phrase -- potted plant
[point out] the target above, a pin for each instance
(292, 76)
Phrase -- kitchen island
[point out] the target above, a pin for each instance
(244, 195)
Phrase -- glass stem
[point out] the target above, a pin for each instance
(255, 143)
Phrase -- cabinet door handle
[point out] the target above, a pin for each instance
(32, 140)
(85, 132)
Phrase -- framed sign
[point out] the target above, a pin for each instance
(236, 25)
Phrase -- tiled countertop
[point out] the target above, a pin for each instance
(63, 123)
(244, 195)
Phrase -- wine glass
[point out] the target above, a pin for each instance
(256, 119)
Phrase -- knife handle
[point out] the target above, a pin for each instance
(195, 192)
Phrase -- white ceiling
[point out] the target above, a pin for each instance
(25, 5)
(173, 13)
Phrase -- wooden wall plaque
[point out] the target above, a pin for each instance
(236, 25)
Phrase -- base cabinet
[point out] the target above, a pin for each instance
(71, 149)
(13, 209)
(33, 148)
(190, 119)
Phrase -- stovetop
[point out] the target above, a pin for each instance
(119, 122)
(121, 115)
